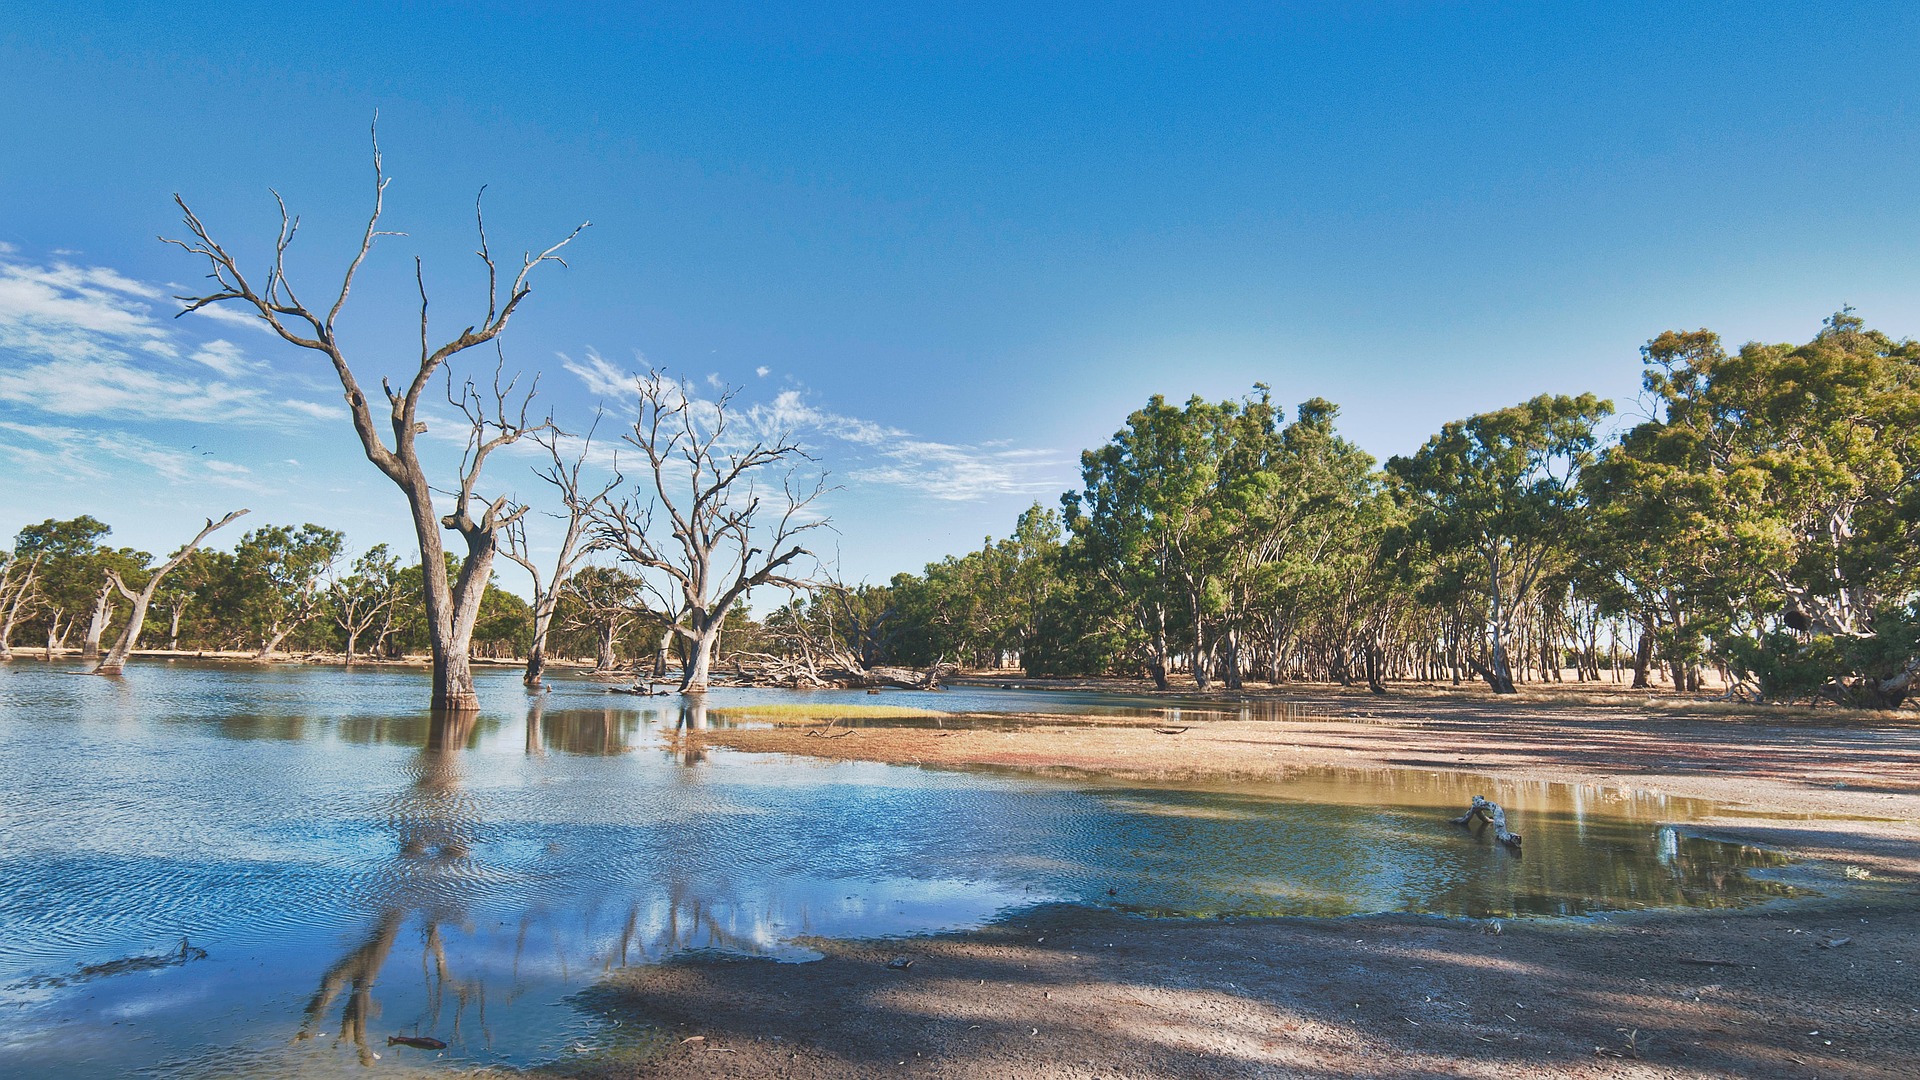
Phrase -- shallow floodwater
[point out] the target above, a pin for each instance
(352, 871)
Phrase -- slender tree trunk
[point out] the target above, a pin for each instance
(275, 636)
(1202, 647)
(537, 651)
(173, 627)
(18, 597)
(605, 660)
(353, 633)
(97, 624)
(1643, 655)
(1499, 674)
(116, 661)
(1158, 664)
(1230, 659)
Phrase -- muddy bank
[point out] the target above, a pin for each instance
(1819, 987)
(1759, 764)
(1077, 993)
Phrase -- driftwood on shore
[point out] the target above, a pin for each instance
(838, 671)
(1492, 812)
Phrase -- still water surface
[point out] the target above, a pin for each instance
(353, 872)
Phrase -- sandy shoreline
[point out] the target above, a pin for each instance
(1820, 987)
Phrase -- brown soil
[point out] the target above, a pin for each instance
(1803, 988)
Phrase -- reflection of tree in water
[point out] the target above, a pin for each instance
(579, 731)
(686, 747)
(690, 921)
(434, 825)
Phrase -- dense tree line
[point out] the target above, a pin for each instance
(1763, 521)
(280, 589)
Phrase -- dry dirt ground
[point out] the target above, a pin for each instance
(1806, 988)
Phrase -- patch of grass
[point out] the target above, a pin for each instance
(798, 713)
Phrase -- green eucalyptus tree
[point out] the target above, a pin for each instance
(365, 596)
(1503, 488)
(1784, 482)
(280, 576)
(1143, 520)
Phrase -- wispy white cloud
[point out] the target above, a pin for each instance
(789, 411)
(86, 341)
(73, 313)
(73, 454)
(226, 358)
(870, 452)
(108, 387)
(599, 376)
(232, 317)
(763, 371)
(958, 473)
(315, 409)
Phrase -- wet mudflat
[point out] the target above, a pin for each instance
(354, 872)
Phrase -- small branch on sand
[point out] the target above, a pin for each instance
(1491, 811)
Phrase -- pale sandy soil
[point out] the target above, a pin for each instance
(1071, 992)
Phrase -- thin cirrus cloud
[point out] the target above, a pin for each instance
(870, 453)
(92, 372)
(77, 454)
(85, 342)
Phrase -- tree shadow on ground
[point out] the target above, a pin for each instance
(1076, 992)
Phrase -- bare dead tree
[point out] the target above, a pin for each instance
(565, 477)
(16, 597)
(706, 495)
(451, 607)
(116, 659)
(97, 621)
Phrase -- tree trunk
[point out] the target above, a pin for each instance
(694, 679)
(116, 661)
(604, 658)
(1157, 665)
(662, 653)
(1498, 672)
(1498, 683)
(13, 613)
(537, 651)
(173, 628)
(97, 624)
(1892, 692)
(1202, 649)
(274, 637)
(451, 608)
(1643, 655)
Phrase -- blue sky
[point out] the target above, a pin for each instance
(954, 246)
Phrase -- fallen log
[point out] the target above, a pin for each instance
(1492, 812)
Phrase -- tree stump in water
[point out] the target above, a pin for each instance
(1492, 812)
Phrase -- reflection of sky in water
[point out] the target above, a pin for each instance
(346, 881)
